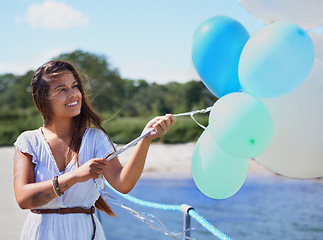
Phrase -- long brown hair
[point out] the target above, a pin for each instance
(40, 91)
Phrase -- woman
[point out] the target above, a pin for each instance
(54, 166)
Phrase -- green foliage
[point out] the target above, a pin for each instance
(185, 130)
(125, 129)
(137, 101)
(15, 91)
(13, 122)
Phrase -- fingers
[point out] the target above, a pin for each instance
(91, 169)
(163, 123)
(171, 117)
(160, 124)
(97, 167)
(101, 161)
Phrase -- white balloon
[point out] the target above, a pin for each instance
(297, 146)
(317, 39)
(305, 13)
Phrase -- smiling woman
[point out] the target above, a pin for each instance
(65, 96)
(55, 164)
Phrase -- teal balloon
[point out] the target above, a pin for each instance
(217, 174)
(217, 45)
(276, 60)
(241, 125)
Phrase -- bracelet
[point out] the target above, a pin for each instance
(56, 187)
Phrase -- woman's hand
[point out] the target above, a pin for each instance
(161, 126)
(91, 169)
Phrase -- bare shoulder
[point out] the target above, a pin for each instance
(22, 164)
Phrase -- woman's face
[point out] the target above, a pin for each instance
(65, 97)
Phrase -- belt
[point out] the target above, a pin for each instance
(72, 210)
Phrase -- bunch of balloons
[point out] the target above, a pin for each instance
(268, 98)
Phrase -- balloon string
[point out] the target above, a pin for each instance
(193, 112)
(197, 122)
(135, 141)
(147, 218)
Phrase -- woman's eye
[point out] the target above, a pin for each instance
(61, 90)
(75, 86)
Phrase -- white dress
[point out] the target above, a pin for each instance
(63, 226)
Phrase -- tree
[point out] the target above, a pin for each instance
(15, 91)
(197, 96)
(22, 93)
(7, 84)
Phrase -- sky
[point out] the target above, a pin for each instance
(143, 39)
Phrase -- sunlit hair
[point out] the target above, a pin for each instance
(40, 83)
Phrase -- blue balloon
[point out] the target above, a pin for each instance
(217, 45)
(217, 174)
(276, 60)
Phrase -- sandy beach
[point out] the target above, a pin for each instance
(174, 161)
(163, 161)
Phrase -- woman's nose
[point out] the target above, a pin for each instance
(72, 92)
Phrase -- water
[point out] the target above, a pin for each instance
(265, 208)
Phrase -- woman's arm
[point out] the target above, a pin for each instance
(124, 178)
(31, 195)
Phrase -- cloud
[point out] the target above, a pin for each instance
(52, 15)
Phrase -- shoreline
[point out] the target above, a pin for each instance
(177, 164)
(174, 161)
(164, 161)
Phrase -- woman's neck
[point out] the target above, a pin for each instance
(62, 129)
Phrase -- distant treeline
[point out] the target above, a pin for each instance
(134, 101)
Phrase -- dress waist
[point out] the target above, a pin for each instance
(72, 210)
(64, 210)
